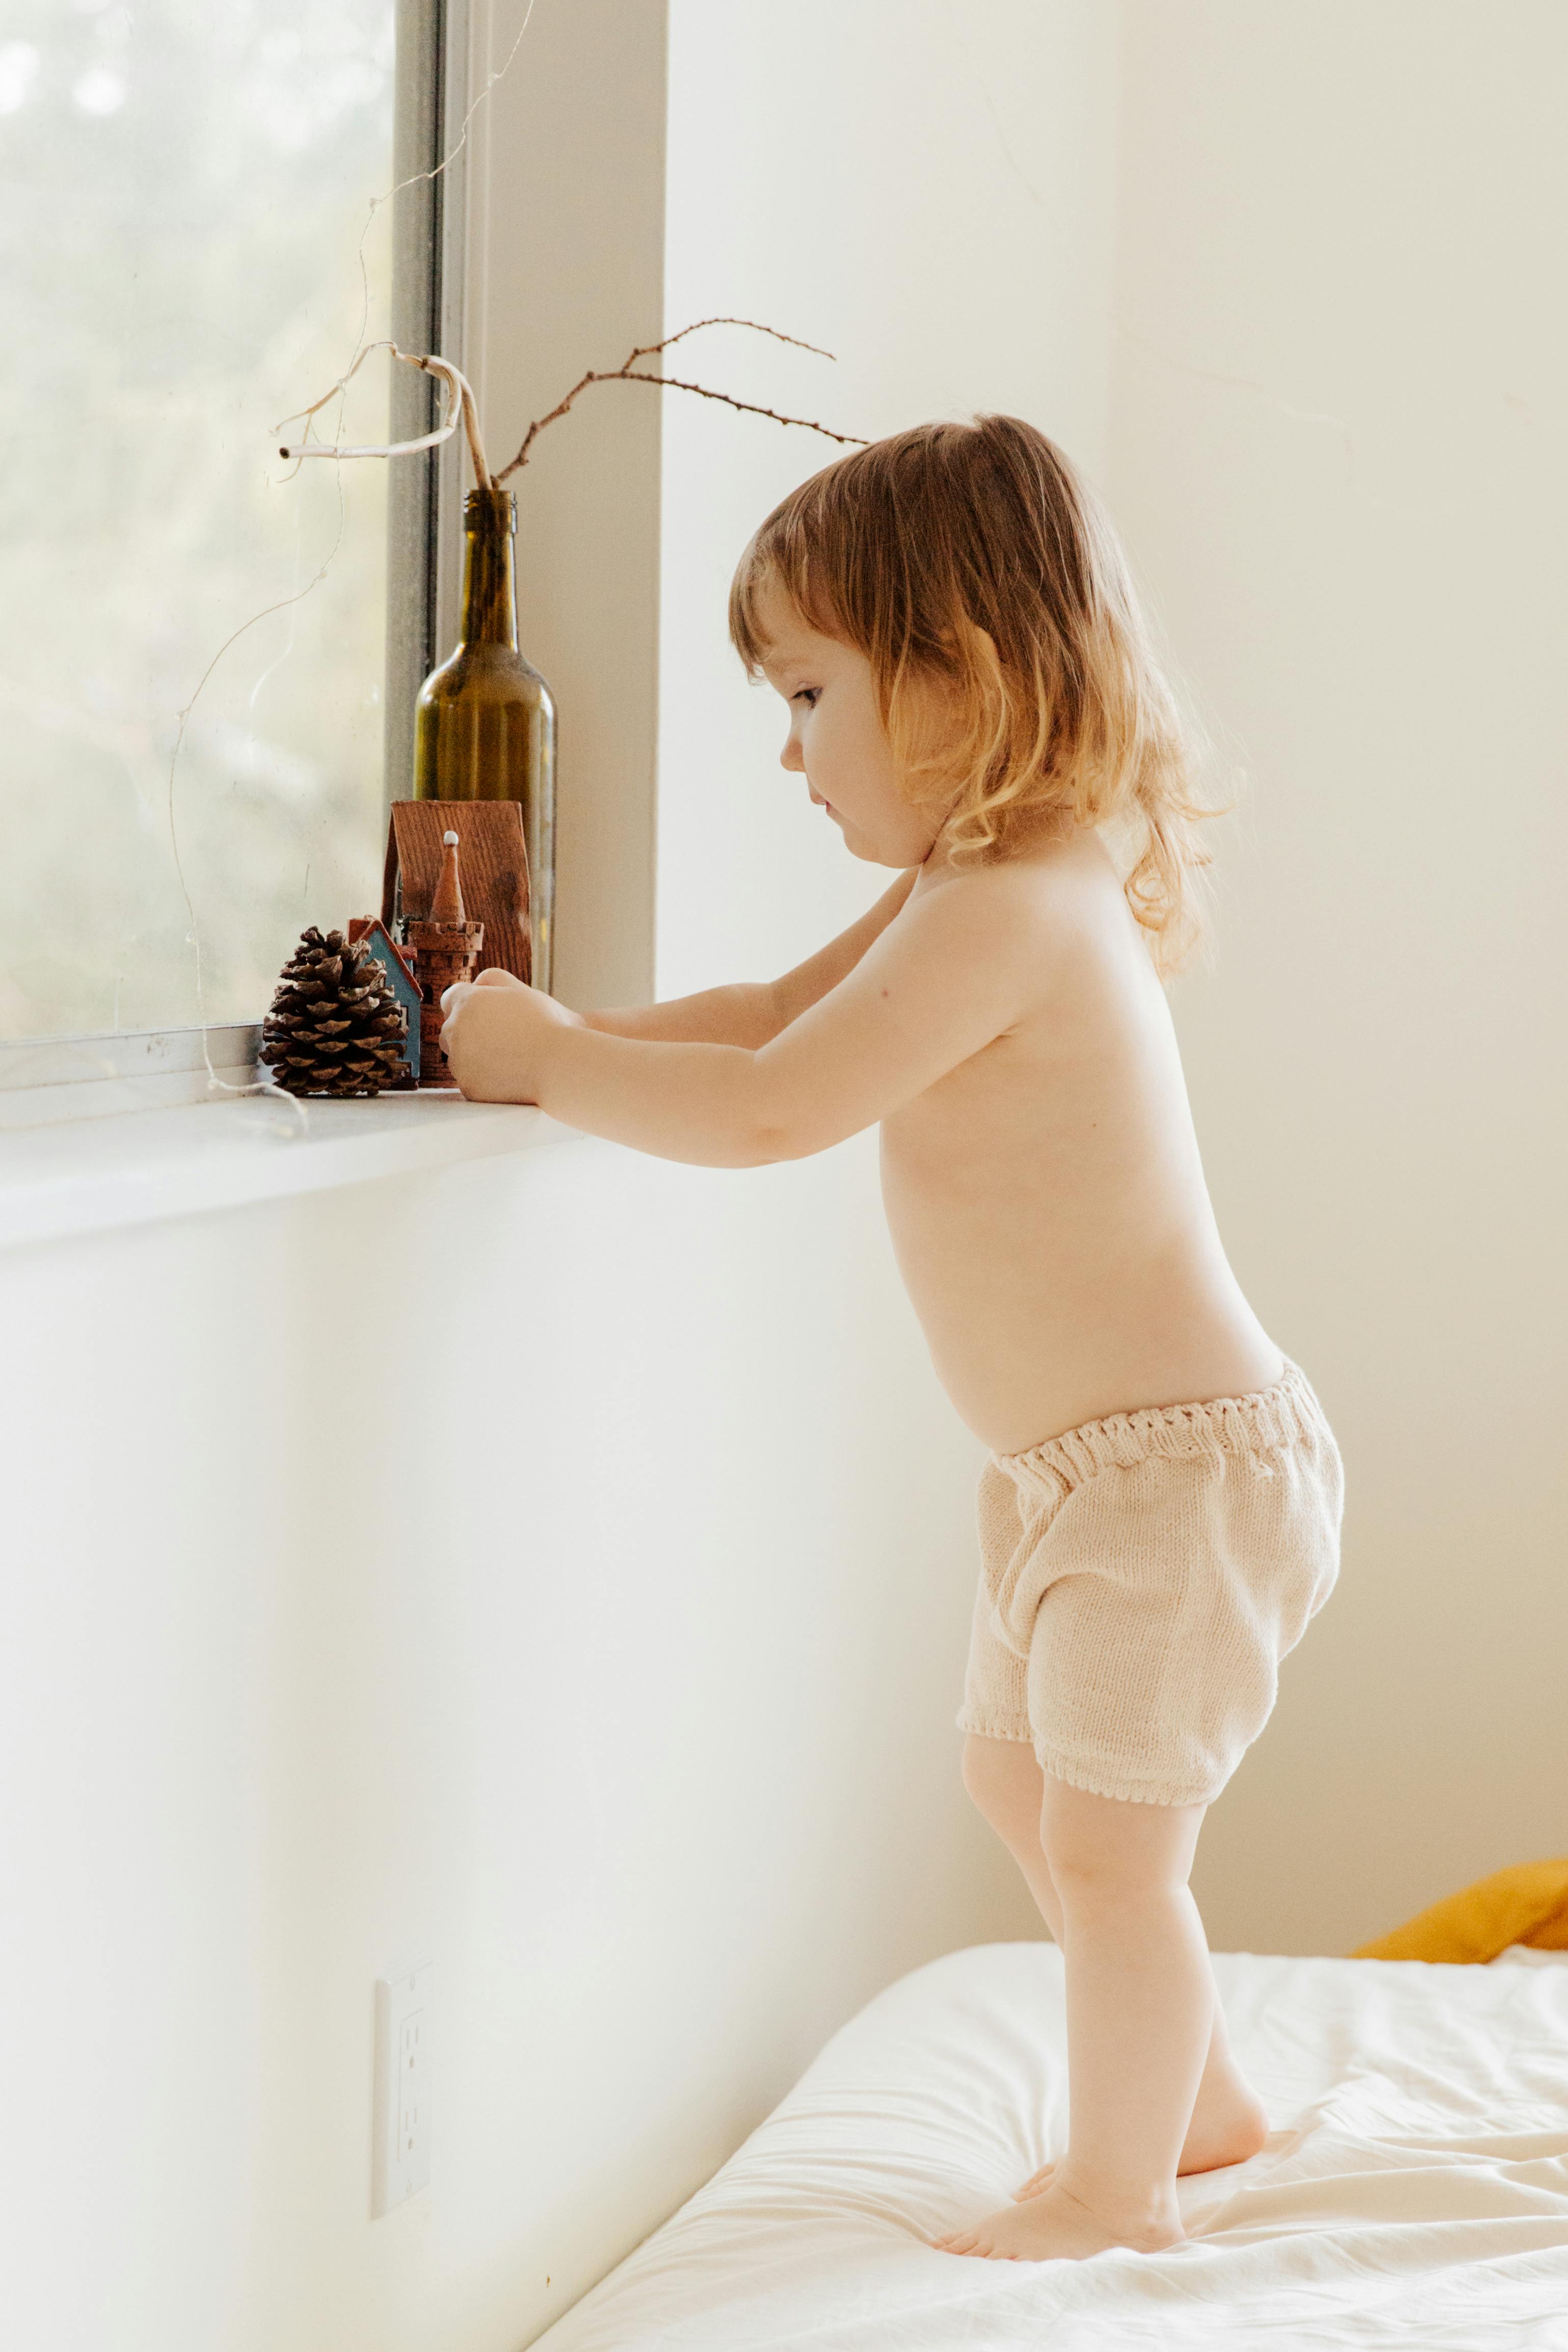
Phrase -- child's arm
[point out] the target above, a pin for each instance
(753, 1012)
(948, 975)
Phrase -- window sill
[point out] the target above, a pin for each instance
(88, 1175)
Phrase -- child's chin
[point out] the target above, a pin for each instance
(855, 842)
(868, 851)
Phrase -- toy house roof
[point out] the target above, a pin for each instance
(366, 927)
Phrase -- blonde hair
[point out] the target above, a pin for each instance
(975, 561)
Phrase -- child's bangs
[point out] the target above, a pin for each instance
(778, 556)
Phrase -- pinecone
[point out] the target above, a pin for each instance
(335, 1027)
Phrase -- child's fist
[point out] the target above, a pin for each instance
(496, 1035)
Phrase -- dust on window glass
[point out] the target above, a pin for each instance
(183, 191)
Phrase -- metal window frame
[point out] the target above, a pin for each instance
(45, 1080)
(430, 210)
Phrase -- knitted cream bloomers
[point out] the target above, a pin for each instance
(1140, 1579)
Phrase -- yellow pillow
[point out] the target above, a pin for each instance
(1525, 1905)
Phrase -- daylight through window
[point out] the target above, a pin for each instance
(186, 191)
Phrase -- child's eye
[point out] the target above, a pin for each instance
(808, 694)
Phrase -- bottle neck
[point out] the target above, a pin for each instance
(489, 581)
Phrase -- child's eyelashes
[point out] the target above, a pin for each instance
(808, 694)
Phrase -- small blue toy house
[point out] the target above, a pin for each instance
(371, 932)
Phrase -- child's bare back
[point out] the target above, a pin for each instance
(1046, 1198)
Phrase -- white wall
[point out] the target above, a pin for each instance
(1338, 456)
(498, 1562)
(927, 189)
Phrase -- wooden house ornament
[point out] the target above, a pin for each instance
(495, 872)
(456, 920)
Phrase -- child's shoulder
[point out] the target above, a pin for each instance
(1061, 895)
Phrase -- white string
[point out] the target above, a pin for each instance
(215, 1084)
(433, 174)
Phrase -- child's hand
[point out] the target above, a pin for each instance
(496, 1035)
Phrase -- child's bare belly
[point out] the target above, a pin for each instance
(1063, 1265)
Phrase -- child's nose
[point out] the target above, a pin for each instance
(790, 757)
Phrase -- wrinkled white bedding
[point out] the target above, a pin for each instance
(1415, 2193)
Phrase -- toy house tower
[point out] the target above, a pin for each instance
(444, 948)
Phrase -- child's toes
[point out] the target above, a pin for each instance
(1034, 2184)
(961, 2241)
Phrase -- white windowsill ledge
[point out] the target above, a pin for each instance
(86, 1175)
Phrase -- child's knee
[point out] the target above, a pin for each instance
(1109, 1847)
(1003, 1781)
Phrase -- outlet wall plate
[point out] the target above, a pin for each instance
(401, 2122)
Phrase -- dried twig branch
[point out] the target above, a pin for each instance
(646, 351)
(629, 373)
(460, 407)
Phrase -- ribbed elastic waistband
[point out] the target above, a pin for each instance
(1280, 1415)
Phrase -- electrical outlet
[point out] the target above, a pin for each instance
(402, 2121)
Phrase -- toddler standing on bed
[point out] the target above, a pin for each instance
(972, 702)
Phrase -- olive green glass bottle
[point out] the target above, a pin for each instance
(483, 723)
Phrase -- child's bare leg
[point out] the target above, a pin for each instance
(1228, 2123)
(1140, 2007)
(1006, 1783)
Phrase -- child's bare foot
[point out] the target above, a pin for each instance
(1058, 2227)
(1225, 2129)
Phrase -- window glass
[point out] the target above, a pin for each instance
(185, 193)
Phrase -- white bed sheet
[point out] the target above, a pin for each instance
(1416, 2194)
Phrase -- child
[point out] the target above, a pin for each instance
(972, 702)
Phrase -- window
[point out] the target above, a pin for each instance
(190, 252)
